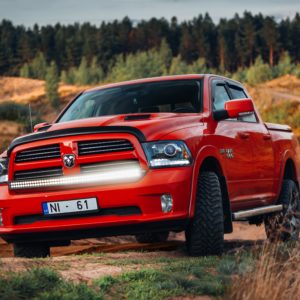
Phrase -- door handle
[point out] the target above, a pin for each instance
(244, 135)
(267, 137)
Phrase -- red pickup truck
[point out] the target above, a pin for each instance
(147, 157)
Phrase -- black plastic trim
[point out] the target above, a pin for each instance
(39, 136)
(140, 227)
(137, 117)
(221, 114)
(117, 211)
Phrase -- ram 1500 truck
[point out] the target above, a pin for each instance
(146, 157)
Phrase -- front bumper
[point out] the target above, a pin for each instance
(144, 194)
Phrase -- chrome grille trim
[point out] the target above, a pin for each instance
(111, 165)
(103, 146)
(38, 153)
(122, 175)
(39, 173)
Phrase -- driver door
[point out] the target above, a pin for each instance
(235, 147)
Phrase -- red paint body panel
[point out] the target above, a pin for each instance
(253, 175)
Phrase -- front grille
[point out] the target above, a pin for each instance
(108, 166)
(38, 173)
(38, 153)
(103, 146)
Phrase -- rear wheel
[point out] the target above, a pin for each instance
(31, 250)
(152, 237)
(205, 234)
(285, 225)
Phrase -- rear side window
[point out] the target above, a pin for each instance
(237, 93)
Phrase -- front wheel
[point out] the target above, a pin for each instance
(285, 226)
(31, 250)
(205, 234)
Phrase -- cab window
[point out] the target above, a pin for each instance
(220, 96)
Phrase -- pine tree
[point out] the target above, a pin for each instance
(83, 75)
(270, 35)
(38, 67)
(178, 66)
(259, 72)
(96, 72)
(25, 71)
(52, 82)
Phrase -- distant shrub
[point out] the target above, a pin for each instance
(283, 113)
(178, 66)
(296, 70)
(259, 72)
(151, 63)
(52, 81)
(240, 75)
(284, 66)
(12, 111)
(36, 69)
(86, 73)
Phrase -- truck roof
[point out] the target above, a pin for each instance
(152, 79)
(159, 78)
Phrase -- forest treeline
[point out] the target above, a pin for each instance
(230, 45)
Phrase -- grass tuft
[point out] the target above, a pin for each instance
(42, 284)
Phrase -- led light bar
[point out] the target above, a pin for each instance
(124, 175)
(166, 162)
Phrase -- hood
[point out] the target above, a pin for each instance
(146, 127)
(154, 126)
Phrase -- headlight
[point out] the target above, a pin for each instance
(167, 154)
(3, 170)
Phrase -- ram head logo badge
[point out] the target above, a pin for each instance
(69, 160)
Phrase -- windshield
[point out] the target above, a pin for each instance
(180, 96)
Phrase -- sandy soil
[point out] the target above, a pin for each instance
(25, 90)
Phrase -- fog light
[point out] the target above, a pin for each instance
(166, 203)
(1, 220)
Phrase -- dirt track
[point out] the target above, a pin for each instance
(107, 255)
(243, 234)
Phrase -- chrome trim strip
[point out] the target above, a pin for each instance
(240, 215)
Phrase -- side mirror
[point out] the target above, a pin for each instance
(38, 127)
(234, 108)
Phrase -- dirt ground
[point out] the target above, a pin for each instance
(74, 264)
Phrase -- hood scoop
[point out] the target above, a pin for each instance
(137, 117)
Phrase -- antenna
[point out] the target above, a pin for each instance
(30, 117)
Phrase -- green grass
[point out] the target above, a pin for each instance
(43, 283)
(183, 276)
(167, 277)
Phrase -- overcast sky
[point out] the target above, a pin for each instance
(43, 12)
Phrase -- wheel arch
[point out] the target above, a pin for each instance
(208, 159)
(288, 170)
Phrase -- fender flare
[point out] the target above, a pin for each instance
(285, 157)
(203, 153)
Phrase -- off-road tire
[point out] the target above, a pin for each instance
(31, 250)
(152, 237)
(284, 226)
(205, 234)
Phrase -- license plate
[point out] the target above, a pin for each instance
(70, 207)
